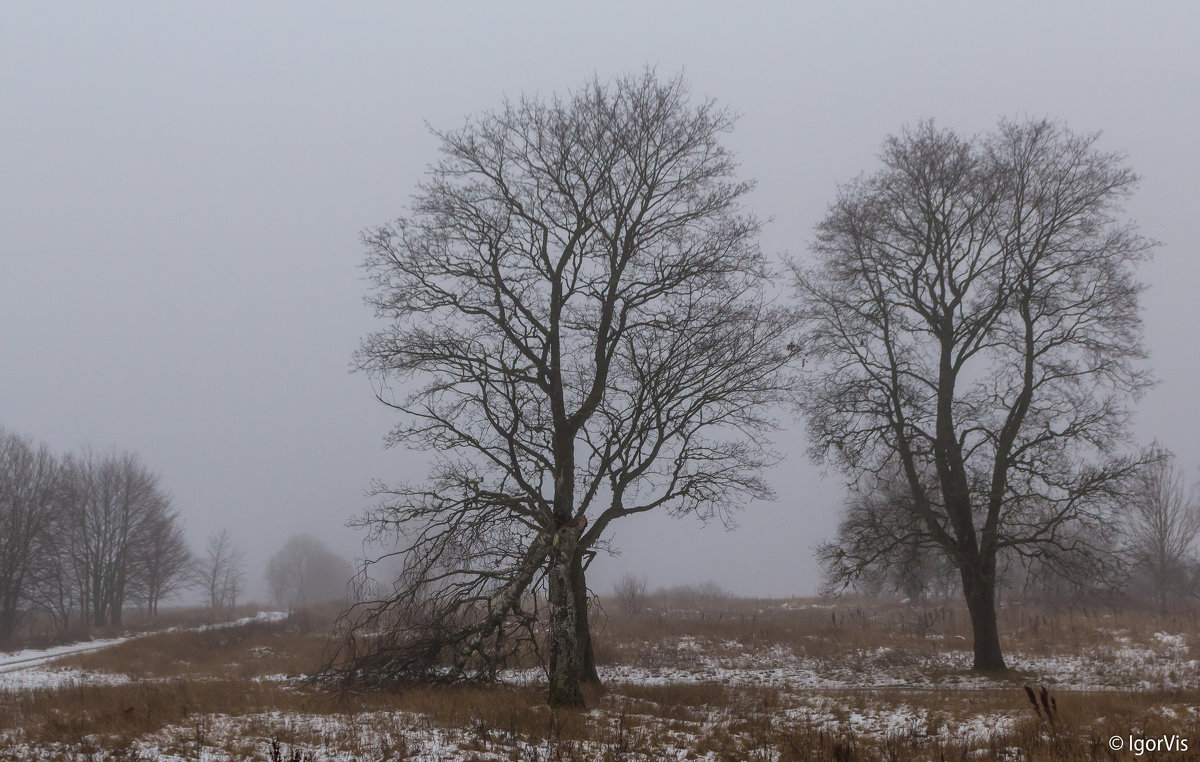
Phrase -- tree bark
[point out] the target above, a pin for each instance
(980, 593)
(565, 662)
(583, 631)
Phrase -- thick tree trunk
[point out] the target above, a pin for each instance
(583, 630)
(980, 592)
(565, 662)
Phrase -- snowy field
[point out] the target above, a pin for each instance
(33, 669)
(672, 697)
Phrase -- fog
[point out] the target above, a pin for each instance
(182, 189)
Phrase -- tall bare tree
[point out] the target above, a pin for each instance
(579, 296)
(972, 324)
(1163, 525)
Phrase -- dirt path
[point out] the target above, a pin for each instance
(36, 657)
(18, 660)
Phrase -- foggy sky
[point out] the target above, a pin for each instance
(182, 188)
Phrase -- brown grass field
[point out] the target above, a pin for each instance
(729, 679)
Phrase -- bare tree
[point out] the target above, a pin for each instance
(305, 571)
(221, 572)
(1163, 524)
(881, 546)
(580, 295)
(87, 532)
(164, 561)
(29, 507)
(113, 503)
(56, 588)
(972, 324)
(631, 593)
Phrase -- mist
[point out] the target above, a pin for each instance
(182, 190)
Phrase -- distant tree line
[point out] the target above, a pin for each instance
(82, 537)
(86, 535)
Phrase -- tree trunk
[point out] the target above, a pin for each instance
(99, 613)
(583, 630)
(565, 661)
(980, 593)
(8, 613)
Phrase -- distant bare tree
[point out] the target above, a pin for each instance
(1164, 523)
(30, 502)
(972, 324)
(881, 547)
(221, 571)
(164, 561)
(631, 593)
(113, 502)
(706, 596)
(56, 591)
(305, 571)
(582, 297)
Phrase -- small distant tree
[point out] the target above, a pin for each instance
(1164, 522)
(305, 571)
(631, 593)
(881, 546)
(165, 560)
(221, 572)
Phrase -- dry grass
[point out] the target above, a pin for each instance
(205, 691)
(820, 628)
(252, 650)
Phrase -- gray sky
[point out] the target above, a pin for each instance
(182, 188)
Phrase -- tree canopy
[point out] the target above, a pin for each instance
(972, 330)
(576, 325)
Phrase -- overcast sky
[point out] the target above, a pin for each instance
(182, 187)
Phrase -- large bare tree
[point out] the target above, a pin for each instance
(972, 324)
(577, 329)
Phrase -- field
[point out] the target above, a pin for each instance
(719, 679)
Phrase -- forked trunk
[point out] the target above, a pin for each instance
(980, 593)
(565, 657)
(583, 630)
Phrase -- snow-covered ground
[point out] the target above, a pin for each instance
(34, 657)
(877, 695)
(31, 669)
(1161, 664)
(409, 736)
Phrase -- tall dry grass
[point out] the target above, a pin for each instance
(823, 628)
(182, 680)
